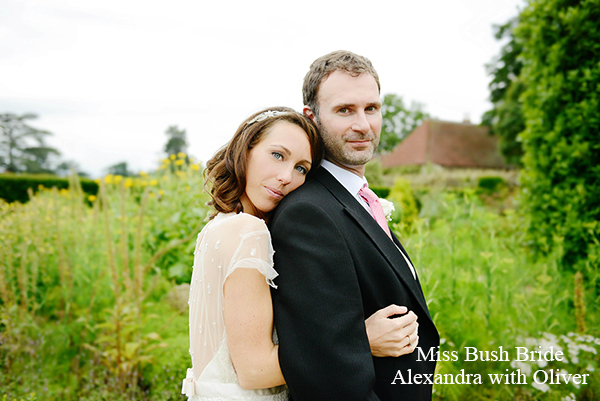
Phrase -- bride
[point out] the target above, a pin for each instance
(232, 343)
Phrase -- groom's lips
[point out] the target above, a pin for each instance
(360, 144)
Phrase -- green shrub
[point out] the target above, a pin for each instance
(405, 203)
(14, 188)
(381, 192)
(561, 105)
(490, 184)
(374, 173)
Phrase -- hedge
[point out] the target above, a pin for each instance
(13, 188)
(561, 105)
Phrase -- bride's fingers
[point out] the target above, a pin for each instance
(408, 330)
(406, 319)
(410, 343)
(414, 339)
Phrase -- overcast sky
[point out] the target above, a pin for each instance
(108, 77)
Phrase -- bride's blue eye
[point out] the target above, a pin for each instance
(303, 170)
(277, 155)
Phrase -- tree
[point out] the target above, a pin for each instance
(561, 107)
(177, 142)
(22, 147)
(398, 121)
(66, 168)
(119, 169)
(505, 119)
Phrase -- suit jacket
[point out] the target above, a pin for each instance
(336, 268)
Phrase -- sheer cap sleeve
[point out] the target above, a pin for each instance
(226, 243)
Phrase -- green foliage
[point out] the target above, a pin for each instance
(506, 118)
(398, 121)
(484, 290)
(561, 105)
(90, 294)
(22, 147)
(381, 192)
(490, 184)
(78, 285)
(406, 210)
(374, 173)
(16, 188)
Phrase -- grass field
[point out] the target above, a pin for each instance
(93, 291)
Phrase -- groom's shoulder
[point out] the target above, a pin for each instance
(312, 189)
(312, 194)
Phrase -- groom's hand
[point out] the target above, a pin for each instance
(390, 335)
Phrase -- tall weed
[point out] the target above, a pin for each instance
(485, 290)
(77, 276)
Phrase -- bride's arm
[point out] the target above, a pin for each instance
(249, 327)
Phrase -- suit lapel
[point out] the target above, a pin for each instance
(379, 238)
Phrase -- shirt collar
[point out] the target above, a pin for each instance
(349, 180)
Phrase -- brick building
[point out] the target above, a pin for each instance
(447, 144)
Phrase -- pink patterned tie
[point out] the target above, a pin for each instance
(376, 209)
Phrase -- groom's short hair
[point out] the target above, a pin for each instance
(322, 67)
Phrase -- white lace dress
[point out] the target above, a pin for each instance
(228, 242)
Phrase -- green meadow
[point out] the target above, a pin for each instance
(93, 289)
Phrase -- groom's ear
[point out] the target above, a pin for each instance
(309, 113)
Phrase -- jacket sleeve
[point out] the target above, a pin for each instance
(324, 351)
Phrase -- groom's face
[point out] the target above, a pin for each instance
(349, 118)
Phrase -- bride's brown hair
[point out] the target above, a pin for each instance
(225, 173)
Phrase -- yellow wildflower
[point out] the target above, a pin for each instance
(143, 174)
(118, 178)
(180, 174)
(161, 192)
(166, 162)
(179, 162)
(195, 167)
(128, 183)
(154, 182)
(181, 155)
(92, 198)
(172, 157)
(108, 179)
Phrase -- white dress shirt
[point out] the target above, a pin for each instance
(353, 184)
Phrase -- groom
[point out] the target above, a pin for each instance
(336, 264)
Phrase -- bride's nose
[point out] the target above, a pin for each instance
(285, 176)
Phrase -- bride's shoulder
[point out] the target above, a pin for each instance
(239, 223)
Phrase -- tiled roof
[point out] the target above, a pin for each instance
(447, 144)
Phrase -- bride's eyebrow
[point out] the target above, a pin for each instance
(286, 150)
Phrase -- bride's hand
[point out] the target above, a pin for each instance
(392, 336)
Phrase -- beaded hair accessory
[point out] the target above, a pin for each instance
(266, 114)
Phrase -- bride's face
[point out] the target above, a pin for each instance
(277, 165)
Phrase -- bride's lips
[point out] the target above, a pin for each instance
(274, 193)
